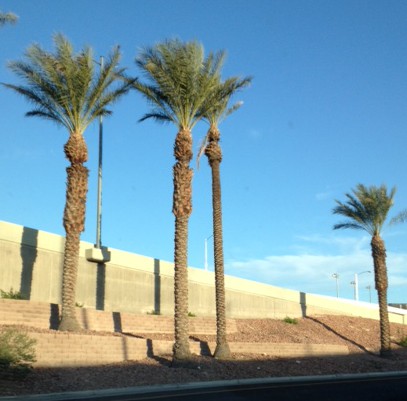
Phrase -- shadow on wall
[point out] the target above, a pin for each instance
(54, 317)
(157, 287)
(28, 252)
(100, 286)
(117, 322)
(303, 303)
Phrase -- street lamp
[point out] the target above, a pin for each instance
(98, 243)
(99, 253)
(206, 253)
(357, 283)
(336, 277)
(354, 289)
(369, 287)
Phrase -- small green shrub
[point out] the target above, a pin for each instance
(403, 341)
(190, 314)
(79, 305)
(11, 294)
(290, 320)
(17, 352)
(154, 312)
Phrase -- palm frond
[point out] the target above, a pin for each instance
(399, 218)
(7, 18)
(344, 225)
(158, 116)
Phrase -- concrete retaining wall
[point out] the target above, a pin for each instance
(75, 349)
(31, 262)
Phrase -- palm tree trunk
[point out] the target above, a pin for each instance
(214, 154)
(381, 283)
(222, 350)
(181, 349)
(74, 224)
(182, 208)
(68, 320)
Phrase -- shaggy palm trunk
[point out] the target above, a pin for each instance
(182, 208)
(74, 224)
(214, 154)
(380, 270)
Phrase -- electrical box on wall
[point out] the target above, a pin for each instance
(98, 255)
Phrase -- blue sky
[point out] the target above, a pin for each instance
(327, 110)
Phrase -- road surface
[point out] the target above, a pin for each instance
(369, 387)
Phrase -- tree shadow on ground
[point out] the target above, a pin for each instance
(160, 359)
(330, 329)
(204, 346)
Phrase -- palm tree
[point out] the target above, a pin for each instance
(7, 18)
(367, 209)
(180, 78)
(217, 111)
(64, 88)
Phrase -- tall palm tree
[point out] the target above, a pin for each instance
(367, 209)
(180, 78)
(7, 18)
(217, 111)
(65, 88)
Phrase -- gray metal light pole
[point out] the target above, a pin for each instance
(336, 277)
(98, 253)
(369, 287)
(354, 290)
(100, 165)
(206, 253)
(357, 283)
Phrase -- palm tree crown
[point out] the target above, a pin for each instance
(64, 87)
(216, 107)
(181, 79)
(367, 208)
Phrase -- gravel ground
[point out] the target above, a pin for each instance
(360, 335)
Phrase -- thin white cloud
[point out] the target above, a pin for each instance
(312, 271)
(321, 196)
(255, 134)
(333, 244)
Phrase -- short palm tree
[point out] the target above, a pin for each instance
(65, 88)
(367, 209)
(7, 18)
(217, 111)
(180, 78)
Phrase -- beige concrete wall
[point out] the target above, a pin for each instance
(31, 262)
